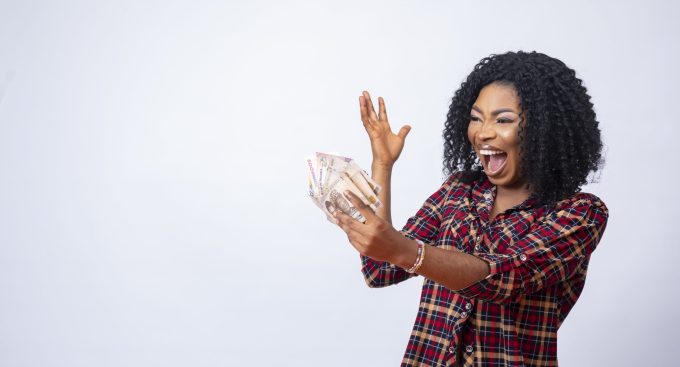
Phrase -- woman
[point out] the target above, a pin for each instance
(504, 244)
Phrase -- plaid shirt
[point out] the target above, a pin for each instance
(538, 259)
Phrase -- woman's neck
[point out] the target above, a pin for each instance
(508, 197)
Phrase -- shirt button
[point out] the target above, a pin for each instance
(523, 257)
(452, 350)
(477, 248)
(468, 306)
(468, 349)
(463, 314)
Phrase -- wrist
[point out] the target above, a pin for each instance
(382, 166)
(407, 253)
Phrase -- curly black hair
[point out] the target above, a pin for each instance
(560, 141)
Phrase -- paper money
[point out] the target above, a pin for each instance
(374, 185)
(353, 174)
(336, 200)
(312, 177)
(330, 175)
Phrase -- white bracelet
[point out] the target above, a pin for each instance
(419, 258)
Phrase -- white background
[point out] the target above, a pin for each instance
(153, 208)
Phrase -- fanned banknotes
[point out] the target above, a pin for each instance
(330, 176)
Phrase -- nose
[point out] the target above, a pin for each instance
(487, 131)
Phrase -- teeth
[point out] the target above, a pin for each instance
(490, 152)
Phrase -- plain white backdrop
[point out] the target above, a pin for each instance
(153, 207)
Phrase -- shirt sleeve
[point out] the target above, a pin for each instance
(553, 252)
(424, 226)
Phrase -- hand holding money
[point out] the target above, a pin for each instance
(376, 238)
(330, 176)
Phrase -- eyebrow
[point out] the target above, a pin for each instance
(500, 110)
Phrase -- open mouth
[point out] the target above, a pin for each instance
(493, 160)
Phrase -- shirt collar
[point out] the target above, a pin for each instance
(484, 194)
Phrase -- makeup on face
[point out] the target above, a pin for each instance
(494, 133)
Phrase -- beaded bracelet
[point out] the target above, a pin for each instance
(419, 258)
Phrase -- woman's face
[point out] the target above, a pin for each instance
(494, 134)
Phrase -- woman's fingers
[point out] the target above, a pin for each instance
(363, 209)
(365, 116)
(348, 223)
(381, 110)
(368, 110)
(404, 131)
(369, 106)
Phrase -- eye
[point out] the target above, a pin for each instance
(503, 121)
(474, 118)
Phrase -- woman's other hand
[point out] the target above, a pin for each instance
(385, 145)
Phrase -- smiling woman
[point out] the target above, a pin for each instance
(494, 136)
(504, 244)
(558, 131)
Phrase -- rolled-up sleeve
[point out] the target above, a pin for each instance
(551, 253)
(423, 226)
(426, 223)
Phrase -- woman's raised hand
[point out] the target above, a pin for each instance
(385, 145)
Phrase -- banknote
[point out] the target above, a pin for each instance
(312, 177)
(336, 200)
(333, 165)
(330, 175)
(374, 185)
(353, 174)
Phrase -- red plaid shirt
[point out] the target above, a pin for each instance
(538, 260)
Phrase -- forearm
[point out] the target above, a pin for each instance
(382, 174)
(451, 268)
